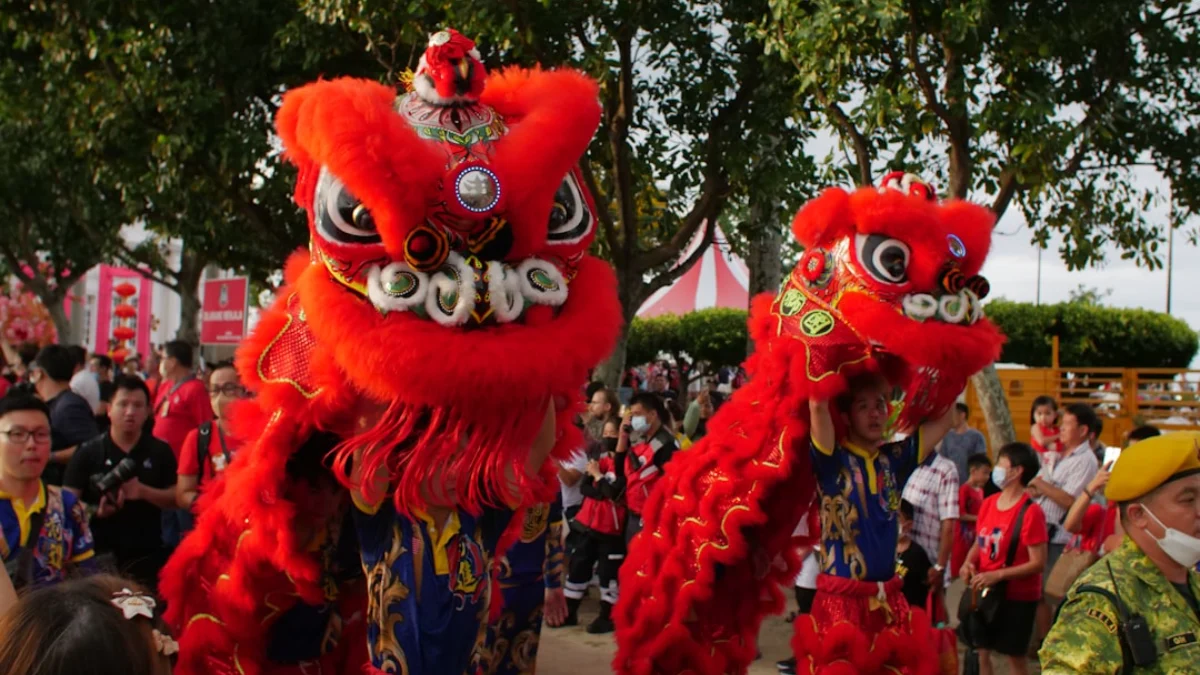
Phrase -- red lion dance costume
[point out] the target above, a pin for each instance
(444, 316)
(888, 284)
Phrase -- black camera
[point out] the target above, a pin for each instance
(120, 474)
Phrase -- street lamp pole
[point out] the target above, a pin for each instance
(1039, 278)
(1170, 241)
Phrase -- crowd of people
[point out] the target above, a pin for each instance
(100, 468)
(100, 472)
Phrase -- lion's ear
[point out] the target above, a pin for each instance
(824, 219)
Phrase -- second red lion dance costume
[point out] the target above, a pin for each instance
(423, 360)
(889, 285)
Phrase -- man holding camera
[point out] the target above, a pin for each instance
(1139, 606)
(128, 476)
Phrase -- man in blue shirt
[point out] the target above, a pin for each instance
(859, 481)
(44, 536)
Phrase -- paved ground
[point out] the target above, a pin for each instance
(571, 651)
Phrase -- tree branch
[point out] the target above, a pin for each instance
(606, 222)
(862, 149)
(1008, 189)
(924, 80)
(664, 279)
(144, 268)
(621, 107)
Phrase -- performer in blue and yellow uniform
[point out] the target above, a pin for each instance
(859, 482)
(530, 571)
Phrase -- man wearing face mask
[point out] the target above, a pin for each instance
(645, 445)
(1140, 605)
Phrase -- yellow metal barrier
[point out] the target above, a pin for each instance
(1123, 397)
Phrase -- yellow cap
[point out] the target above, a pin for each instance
(1147, 464)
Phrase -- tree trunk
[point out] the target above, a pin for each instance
(766, 257)
(191, 267)
(995, 408)
(62, 325)
(610, 370)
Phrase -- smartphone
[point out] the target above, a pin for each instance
(1110, 456)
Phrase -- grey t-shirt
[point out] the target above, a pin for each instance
(958, 447)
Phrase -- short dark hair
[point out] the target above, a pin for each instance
(227, 363)
(977, 460)
(1143, 432)
(651, 401)
(28, 353)
(857, 383)
(79, 354)
(907, 509)
(593, 387)
(124, 382)
(963, 408)
(1020, 454)
(104, 360)
(1086, 416)
(1039, 402)
(19, 401)
(180, 351)
(57, 362)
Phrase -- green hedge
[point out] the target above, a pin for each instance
(1099, 337)
(717, 337)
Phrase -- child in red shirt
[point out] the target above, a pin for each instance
(1043, 430)
(970, 498)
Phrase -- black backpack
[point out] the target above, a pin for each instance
(203, 442)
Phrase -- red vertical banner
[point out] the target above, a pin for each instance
(223, 305)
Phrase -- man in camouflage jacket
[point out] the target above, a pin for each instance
(1157, 485)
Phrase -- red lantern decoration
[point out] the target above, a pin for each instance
(126, 316)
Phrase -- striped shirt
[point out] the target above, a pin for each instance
(933, 492)
(1071, 473)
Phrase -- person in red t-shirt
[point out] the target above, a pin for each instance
(1008, 634)
(224, 387)
(181, 404)
(970, 498)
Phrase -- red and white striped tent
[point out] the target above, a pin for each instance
(719, 279)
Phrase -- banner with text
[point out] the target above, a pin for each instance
(223, 311)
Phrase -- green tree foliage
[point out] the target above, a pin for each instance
(165, 111)
(711, 338)
(695, 117)
(1092, 336)
(1051, 105)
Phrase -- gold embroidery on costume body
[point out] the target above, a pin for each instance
(384, 590)
(535, 522)
(839, 522)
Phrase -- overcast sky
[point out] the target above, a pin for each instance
(1012, 269)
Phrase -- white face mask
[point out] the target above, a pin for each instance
(1182, 548)
(999, 476)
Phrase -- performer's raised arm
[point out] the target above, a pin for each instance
(824, 437)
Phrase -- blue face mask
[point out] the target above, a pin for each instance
(999, 475)
(639, 423)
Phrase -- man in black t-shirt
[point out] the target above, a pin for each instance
(71, 420)
(128, 520)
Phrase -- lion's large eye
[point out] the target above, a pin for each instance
(570, 219)
(341, 217)
(884, 258)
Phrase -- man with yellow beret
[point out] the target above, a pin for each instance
(1140, 605)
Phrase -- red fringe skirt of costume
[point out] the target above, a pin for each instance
(863, 628)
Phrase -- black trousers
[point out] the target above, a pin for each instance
(605, 553)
